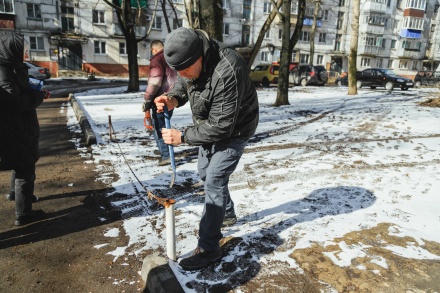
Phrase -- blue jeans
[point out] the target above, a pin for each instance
(159, 123)
(216, 162)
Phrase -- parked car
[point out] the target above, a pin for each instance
(308, 75)
(265, 74)
(381, 77)
(342, 80)
(427, 77)
(37, 72)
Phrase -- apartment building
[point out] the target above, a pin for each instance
(85, 35)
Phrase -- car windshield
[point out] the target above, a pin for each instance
(389, 72)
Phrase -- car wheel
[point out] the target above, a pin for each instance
(339, 83)
(372, 87)
(389, 86)
(265, 82)
(304, 82)
(417, 84)
(359, 84)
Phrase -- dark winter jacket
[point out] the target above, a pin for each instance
(161, 79)
(19, 129)
(223, 99)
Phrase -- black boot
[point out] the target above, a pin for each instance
(200, 259)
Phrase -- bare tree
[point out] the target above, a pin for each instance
(313, 30)
(283, 80)
(211, 18)
(352, 66)
(192, 14)
(264, 29)
(128, 19)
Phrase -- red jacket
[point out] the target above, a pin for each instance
(161, 79)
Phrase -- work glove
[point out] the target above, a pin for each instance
(147, 121)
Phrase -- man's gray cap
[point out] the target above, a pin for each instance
(183, 47)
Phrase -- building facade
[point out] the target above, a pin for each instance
(84, 35)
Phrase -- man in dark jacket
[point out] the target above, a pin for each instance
(161, 79)
(224, 104)
(19, 129)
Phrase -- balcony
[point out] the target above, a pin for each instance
(371, 50)
(116, 30)
(409, 53)
(372, 29)
(375, 6)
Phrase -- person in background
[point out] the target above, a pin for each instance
(19, 127)
(160, 80)
(224, 105)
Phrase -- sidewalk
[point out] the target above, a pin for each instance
(60, 253)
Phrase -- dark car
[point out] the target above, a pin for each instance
(427, 77)
(381, 77)
(308, 75)
(37, 72)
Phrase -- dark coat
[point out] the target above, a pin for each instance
(223, 99)
(19, 128)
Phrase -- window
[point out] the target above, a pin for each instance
(66, 10)
(365, 62)
(304, 58)
(322, 37)
(320, 59)
(416, 4)
(280, 34)
(341, 3)
(99, 47)
(325, 15)
(379, 62)
(267, 8)
(226, 28)
(7, 6)
(340, 20)
(245, 36)
(393, 44)
(415, 65)
(247, 5)
(67, 23)
(157, 23)
(264, 56)
(338, 42)
(178, 1)
(33, 10)
(177, 24)
(305, 36)
(122, 49)
(267, 34)
(403, 64)
(98, 16)
(390, 64)
(225, 4)
(36, 43)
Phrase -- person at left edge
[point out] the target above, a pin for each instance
(161, 79)
(19, 127)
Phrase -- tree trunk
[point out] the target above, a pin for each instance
(313, 32)
(133, 69)
(352, 66)
(211, 18)
(164, 11)
(283, 79)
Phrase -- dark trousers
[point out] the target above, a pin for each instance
(215, 164)
(22, 187)
(159, 123)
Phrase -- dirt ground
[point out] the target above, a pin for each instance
(57, 254)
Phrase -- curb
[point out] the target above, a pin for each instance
(83, 121)
(158, 275)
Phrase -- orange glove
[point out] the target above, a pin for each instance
(147, 121)
(46, 94)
